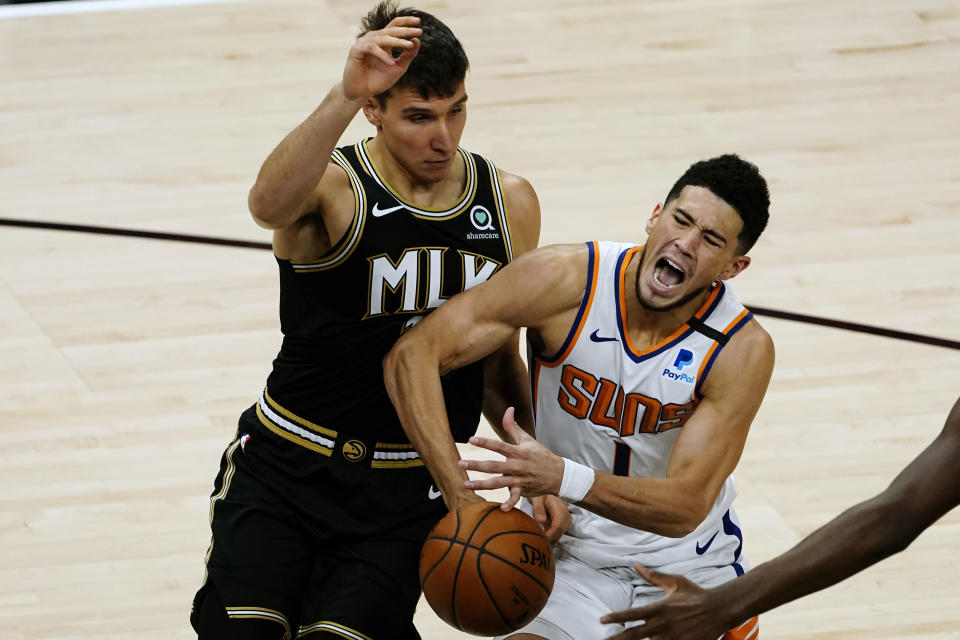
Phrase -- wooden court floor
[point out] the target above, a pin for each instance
(124, 362)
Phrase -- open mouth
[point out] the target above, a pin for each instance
(668, 274)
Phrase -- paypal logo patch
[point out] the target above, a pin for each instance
(684, 359)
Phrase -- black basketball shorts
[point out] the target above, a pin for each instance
(315, 544)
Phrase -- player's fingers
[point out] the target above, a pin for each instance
(554, 530)
(516, 432)
(497, 446)
(559, 513)
(512, 501)
(409, 54)
(665, 581)
(403, 21)
(508, 418)
(539, 508)
(401, 32)
(371, 49)
(627, 615)
(389, 43)
(484, 466)
(497, 482)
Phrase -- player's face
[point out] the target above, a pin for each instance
(691, 243)
(422, 134)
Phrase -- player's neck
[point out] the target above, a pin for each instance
(422, 192)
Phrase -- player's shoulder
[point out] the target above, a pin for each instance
(561, 254)
(564, 264)
(515, 185)
(743, 366)
(751, 346)
(523, 209)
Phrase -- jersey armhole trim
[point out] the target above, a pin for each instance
(502, 212)
(582, 313)
(735, 325)
(345, 245)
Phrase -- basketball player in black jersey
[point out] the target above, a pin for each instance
(321, 504)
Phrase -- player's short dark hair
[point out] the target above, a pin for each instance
(739, 184)
(440, 65)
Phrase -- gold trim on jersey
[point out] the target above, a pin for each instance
(353, 232)
(293, 428)
(501, 203)
(261, 613)
(461, 205)
(288, 425)
(332, 627)
(395, 455)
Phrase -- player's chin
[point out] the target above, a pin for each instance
(436, 170)
(660, 301)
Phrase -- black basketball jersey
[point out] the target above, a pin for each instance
(342, 312)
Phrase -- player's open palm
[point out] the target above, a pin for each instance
(371, 66)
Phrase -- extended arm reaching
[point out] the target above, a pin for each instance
(856, 539)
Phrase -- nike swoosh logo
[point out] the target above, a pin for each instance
(432, 493)
(597, 338)
(378, 212)
(702, 550)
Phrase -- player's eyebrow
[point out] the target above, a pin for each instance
(706, 231)
(424, 110)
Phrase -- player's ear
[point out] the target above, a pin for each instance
(372, 112)
(739, 264)
(657, 210)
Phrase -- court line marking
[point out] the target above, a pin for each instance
(70, 7)
(251, 244)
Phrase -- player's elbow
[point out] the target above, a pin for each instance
(391, 366)
(400, 363)
(689, 515)
(264, 209)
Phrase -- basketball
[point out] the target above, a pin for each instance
(486, 571)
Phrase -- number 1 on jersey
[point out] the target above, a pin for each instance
(621, 459)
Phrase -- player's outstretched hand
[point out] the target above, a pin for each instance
(688, 612)
(530, 469)
(552, 514)
(371, 66)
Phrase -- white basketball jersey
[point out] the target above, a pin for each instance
(619, 410)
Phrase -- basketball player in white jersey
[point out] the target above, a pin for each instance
(646, 372)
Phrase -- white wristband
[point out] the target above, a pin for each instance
(576, 483)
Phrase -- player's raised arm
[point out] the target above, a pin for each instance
(287, 185)
(534, 291)
(859, 537)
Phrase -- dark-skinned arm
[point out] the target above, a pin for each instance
(859, 537)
